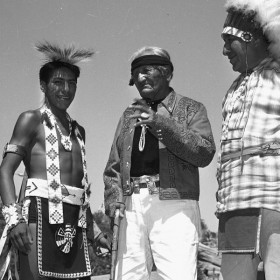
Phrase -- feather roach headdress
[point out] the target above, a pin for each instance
(247, 18)
(70, 55)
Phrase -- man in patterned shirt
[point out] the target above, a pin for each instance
(152, 174)
(248, 198)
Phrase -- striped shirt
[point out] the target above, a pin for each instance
(251, 122)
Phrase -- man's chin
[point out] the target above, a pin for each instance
(146, 93)
(235, 68)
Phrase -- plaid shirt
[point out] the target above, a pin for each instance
(251, 119)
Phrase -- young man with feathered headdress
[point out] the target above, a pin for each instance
(248, 198)
(51, 226)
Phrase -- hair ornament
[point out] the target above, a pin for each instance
(70, 55)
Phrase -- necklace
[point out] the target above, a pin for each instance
(142, 139)
(65, 140)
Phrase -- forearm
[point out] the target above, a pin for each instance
(7, 186)
(185, 143)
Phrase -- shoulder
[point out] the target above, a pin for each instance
(26, 127)
(80, 129)
(128, 111)
(269, 69)
(189, 103)
(29, 119)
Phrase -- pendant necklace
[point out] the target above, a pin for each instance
(142, 140)
(65, 140)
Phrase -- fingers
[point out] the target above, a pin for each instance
(141, 108)
(21, 238)
(144, 116)
(104, 243)
(121, 207)
(140, 101)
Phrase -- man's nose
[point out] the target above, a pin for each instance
(225, 50)
(66, 86)
(141, 77)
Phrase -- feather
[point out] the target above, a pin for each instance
(53, 52)
(268, 16)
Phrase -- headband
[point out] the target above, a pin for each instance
(150, 60)
(246, 36)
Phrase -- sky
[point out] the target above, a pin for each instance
(188, 29)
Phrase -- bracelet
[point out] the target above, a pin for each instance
(15, 149)
(12, 215)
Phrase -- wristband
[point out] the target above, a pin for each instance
(12, 215)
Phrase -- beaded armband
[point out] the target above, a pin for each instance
(16, 149)
(13, 215)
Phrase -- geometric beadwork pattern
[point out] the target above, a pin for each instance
(51, 139)
(74, 274)
(54, 184)
(56, 216)
(52, 154)
(53, 169)
(55, 200)
(82, 215)
(82, 220)
(53, 172)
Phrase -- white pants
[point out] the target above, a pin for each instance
(164, 232)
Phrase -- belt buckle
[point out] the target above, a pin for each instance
(135, 186)
(152, 187)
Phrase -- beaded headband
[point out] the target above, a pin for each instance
(241, 25)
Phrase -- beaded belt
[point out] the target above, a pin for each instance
(39, 187)
(145, 181)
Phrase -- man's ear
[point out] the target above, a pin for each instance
(43, 86)
(169, 76)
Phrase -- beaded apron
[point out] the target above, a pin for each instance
(63, 252)
(53, 171)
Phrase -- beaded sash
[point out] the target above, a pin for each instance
(53, 171)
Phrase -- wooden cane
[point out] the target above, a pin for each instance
(115, 243)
